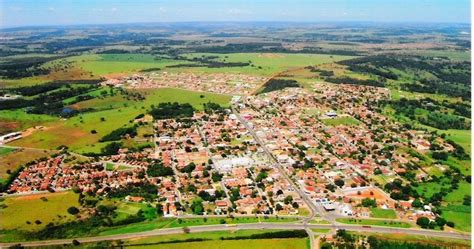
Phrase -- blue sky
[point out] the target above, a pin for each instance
(64, 12)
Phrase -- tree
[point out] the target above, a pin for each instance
(367, 202)
(288, 199)
(339, 182)
(417, 203)
(73, 210)
(440, 221)
(278, 207)
(159, 209)
(423, 222)
(197, 206)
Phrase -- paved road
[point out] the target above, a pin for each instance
(211, 228)
(309, 203)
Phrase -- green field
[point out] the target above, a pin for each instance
(368, 222)
(293, 243)
(340, 121)
(17, 120)
(270, 63)
(104, 64)
(5, 151)
(460, 215)
(22, 209)
(383, 213)
(75, 132)
(456, 196)
(461, 137)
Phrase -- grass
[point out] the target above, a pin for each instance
(203, 235)
(5, 151)
(75, 132)
(340, 121)
(105, 64)
(456, 196)
(172, 223)
(293, 243)
(460, 215)
(367, 222)
(22, 209)
(461, 137)
(14, 159)
(402, 237)
(383, 213)
(270, 63)
(16, 120)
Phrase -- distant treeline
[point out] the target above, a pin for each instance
(25, 67)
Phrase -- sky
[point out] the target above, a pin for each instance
(16, 13)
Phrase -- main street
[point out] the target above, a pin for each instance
(224, 227)
(315, 210)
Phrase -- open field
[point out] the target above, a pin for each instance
(106, 64)
(270, 63)
(460, 215)
(294, 243)
(417, 239)
(49, 207)
(17, 120)
(383, 213)
(340, 121)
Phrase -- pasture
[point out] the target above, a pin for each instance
(107, 64)
(267, 63)
(48, 207)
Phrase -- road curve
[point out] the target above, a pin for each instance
(227, 227)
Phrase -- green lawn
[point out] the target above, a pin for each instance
(17, 120)
(383, 213)
(374, 222)
(22, 209)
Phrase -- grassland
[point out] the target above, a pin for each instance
(106, 64)
(368, 222)
(14, 159)
(172, 223)
(267, 63)
(399, 237)
(49, 207)
(75, 132)
(460, 215)
(5, 151)
(340, 121)
(294, 243)
(16, 120)
(383, 213)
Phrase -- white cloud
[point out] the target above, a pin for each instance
(51, 9)
(114, 9)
